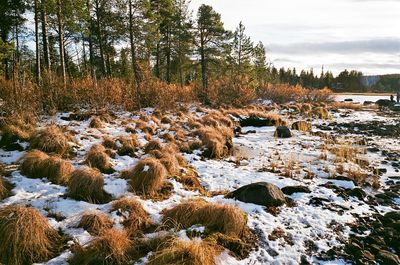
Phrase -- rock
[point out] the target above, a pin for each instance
(388, 258)
(348, 100)
(301, 126)
(384, 103)
(261, 193)
(289, 190)
(257, 122)
(358, 193)
(283, 132)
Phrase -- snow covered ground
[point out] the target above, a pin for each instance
(310, 228)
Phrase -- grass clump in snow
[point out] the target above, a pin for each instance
(321, 112)
(218, 142)
(152, 145)
(50, 140)
(25, 236)
(135, 216)
(98, 158)
(128, 145)
(112, 247)
(86, 184)
(193, 252)
(96, 123)
(95, 222)
(5, 188)
(36, 164)
(226, 219)
(147, 177)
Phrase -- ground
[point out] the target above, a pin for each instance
(304, 231)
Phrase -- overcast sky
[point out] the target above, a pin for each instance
(339, 34)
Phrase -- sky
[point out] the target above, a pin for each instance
(337, 34)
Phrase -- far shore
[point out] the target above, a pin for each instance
(363, 94)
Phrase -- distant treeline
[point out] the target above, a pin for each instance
(346, 81)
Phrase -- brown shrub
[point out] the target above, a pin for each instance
(148, 176)
(186, 252)
(95, 222)
(98, 158)
(25, 236)
(87, 184)
(112, 247)
(50, 140)
(137, 218)
(226, 219)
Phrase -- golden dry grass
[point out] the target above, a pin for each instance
(16, 127)
(5, 188)
(186, 253)
(302, 126)
(95, 222)
(148, 176)
(86, 184)
(50, 140)
(321, 112)
(346, 105)
(112, 247)
(98, 158)
(96, 122)
(135, 217)
(37, 164)
(109, 142)
(218, 142)
(152, 145)
(25, 236)
(226, 219)
(128, 145)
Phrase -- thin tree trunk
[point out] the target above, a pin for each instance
(91, 55)
(37, 69)
(45, 36)
(135, 67)
(100, 38)
(157, 66)
(168, 77)
(61, 42)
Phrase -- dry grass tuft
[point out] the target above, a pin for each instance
(152, 145)
(36, 164)
(5, 188)
(87, 184)
(25, 236)
(14, 128)
(218, 142)
(128, 145)
(98, 158)
(226, 219)
(95, 222)
(180, 252)
(305, 108)
(112, 247)
(346, 105)
(109, 142)
(96, 123)
(135, 217)
(321, 112)
(302, 126)
(50, 140)
(148, 176)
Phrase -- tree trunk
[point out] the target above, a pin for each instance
(61, 42)
(157, 66)
(91, 55)
(168, 77)
(37, 69)
(45, 36)
(100, 38)
(135, 67)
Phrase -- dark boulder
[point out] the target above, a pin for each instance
(358, 193)
(255, 121)
(289, 190)
(261, 193)
(348, 100)
(283, 132)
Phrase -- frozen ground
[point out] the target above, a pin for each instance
(310, 229)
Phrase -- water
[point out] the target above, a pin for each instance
(362, 98)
